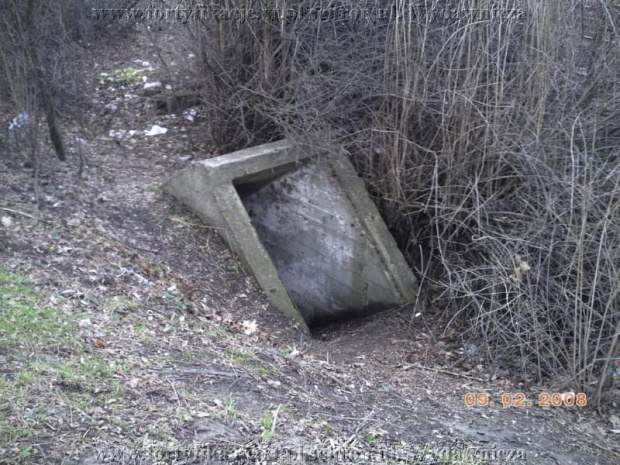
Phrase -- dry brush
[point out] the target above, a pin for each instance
(489, 134)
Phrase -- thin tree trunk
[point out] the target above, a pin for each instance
(39, 76)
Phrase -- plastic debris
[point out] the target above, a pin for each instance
(156, 130)
(19, 121)
(152, 85)
(118, 135)
(190, 115)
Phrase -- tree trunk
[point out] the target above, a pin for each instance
(41, 84)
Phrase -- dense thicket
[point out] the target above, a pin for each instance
(489, 134)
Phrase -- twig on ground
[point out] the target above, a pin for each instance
(26, 215)
(445, 372)
(126, 245)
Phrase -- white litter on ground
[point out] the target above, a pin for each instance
(152, 85)
(156, 130)
(19, 121)
(190, 115)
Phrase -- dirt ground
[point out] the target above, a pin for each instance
(188, 349)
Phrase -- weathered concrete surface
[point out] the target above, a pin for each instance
(304, 225)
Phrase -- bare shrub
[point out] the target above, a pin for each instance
(490, 144)
(39, 43)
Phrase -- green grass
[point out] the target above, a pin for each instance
(267, 423)
(88, 372)
(240, 357)
(329, 429)
(121, 76)
(139, 328)
(119, 304)
(263, 370)
(50, 370)
(249, 360)
(25, 324)
(229, 410)
(28, 395)
(232, 268)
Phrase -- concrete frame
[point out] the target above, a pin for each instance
(209, 188)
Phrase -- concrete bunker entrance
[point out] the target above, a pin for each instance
(318, 244)
(302, 222)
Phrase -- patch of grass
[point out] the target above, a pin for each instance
(27, 398)
(119, 304)
(118, 421)
(139, 328)
(263, 370)
(25, 452)
(176, 303)
(124, 76)
(240, 357)
(13, 396)
(25, 324)
(249, 360)
(232, 268)
(159, 361)
(329, 429)
(230, 410)
(49, 373)
(268, 425)
(269, 421)
(90, 372)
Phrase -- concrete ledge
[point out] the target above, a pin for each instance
(304, 225)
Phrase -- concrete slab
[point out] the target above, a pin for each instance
(303, 224)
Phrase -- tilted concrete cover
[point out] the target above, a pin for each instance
(303, 224)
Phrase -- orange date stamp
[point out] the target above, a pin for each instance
(519, 399)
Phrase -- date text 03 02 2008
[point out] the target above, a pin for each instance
(519, 399)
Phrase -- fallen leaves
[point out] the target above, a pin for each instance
(249, 327)
(99, 343)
